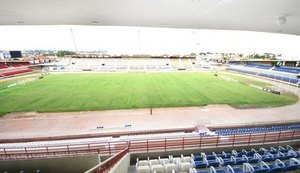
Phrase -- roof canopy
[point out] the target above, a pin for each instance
(279, 16)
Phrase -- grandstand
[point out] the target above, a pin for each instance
(131, 64)
(284, 74)
(14, 68)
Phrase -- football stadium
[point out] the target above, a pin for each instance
(149, 86)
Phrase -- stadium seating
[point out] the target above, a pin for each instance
(277, 166)
(243, 71)
(18, 64)
(268, 67)
(260, 66)
(268, 74)
(287, 70)
(235, 63)
(15, 72)
(238, 131)
(262, 167)
(132, 64)
(250, 65)
(3, 66)
(280, 159)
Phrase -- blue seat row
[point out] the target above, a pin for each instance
(282, 78)
(278, 166)
(203, 134)
(261, 66)
(225, 132)
(287, 70)
(277, 77)
(267, 67)
(239, 160)
(204, 160)
(250, 65)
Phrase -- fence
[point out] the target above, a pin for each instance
(151, 145)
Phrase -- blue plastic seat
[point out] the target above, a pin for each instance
(200, 164)
(238, 170)
(239, 154)
(226, 161)
(250, 153)
(246, 169)
(210, 157)
(280, 156)
(262, 151)
(278, 166)
(261, 168)
(273, 150)
(291, 165)
(241, 160)
(253, 159)
(213, 170)
(220, 171)
(214, 163)
(198, 158)
(293, 154)
(223, 156)
(275, 169)
(227, 155)
(268, 157)
(203, 171)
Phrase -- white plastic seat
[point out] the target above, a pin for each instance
(158, 168)
(143, 169)
(170, 166)
(163, 160)
(142, 163)
(176, 160)
(186, 158)
(154, 162)
(185, 166)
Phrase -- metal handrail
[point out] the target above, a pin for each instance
(150, 145)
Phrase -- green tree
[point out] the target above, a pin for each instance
(62, 53)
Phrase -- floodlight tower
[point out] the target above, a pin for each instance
(74, 41)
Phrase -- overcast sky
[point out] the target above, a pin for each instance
(139, 40)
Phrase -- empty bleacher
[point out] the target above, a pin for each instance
(277, 68)
(176, 64)
(13, 68)
(187, 64)
(285, 74)
(237, 131)
(280, 159)
(2, 66)
(129, 64)
(287, 70)
(15, 72)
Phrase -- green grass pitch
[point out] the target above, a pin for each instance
(76, 92)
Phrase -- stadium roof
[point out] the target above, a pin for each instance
(279, 16)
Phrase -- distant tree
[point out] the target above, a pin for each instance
(62, 53)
